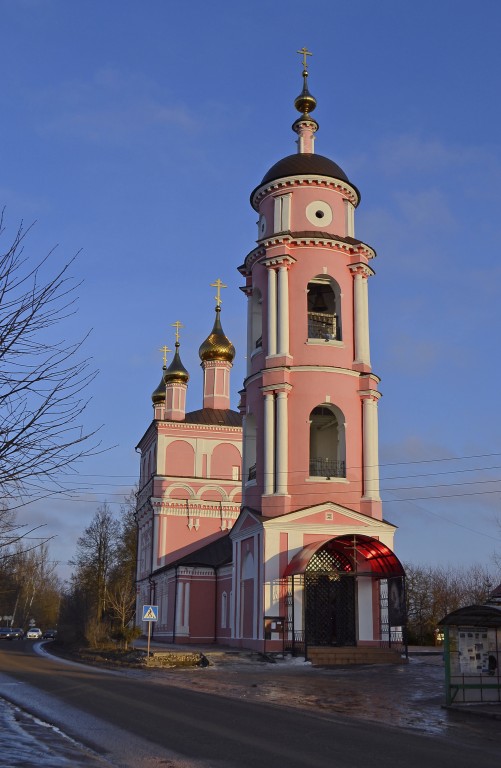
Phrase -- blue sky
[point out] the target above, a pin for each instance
(135, 131)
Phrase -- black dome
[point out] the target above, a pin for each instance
(302, 163)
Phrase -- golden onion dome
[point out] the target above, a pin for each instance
(176, 373)
(217, 346)
(305, 102)
(158, 396)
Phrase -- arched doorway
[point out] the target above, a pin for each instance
(331, 586)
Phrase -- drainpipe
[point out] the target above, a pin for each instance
(215, 604)
(175, 610)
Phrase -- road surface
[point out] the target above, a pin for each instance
(140, 720)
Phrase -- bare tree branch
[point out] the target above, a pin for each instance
(43, 377)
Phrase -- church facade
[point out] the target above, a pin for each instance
(264, 529)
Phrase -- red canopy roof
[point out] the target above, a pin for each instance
(376, 557)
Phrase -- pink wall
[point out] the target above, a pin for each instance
(180, 459)
(224, 458)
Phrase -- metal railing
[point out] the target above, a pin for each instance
(327, 468)
(322, 325)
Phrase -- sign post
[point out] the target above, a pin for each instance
(150, 613)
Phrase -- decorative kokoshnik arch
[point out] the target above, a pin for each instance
(328, 582)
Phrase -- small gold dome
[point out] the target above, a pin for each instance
(217, 346)
(305, 102)
(176, 372)
(158, 395)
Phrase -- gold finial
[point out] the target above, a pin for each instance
(218, 284)
(177, 325)
(305, 52)
(164, 351)
(305, 102)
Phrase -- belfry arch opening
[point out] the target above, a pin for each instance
(324, 309)
(327, 442)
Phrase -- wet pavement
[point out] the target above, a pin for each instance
(408, 696)
(26, 741)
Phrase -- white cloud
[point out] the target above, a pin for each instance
(111, 106)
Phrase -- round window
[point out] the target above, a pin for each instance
(319, 213)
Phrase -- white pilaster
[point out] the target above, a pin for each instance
(283, 310)
(249, 332)
(361, 313)
(370, 447)
(269, 443)
(365, 297)
(272, 311)
(282, 442)
(154, 544)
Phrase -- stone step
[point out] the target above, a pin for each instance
(326, 656)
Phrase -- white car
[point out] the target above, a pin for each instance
(34, 633)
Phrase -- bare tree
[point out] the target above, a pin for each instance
(43, 377)
(122, 582)
(30, 588)
(434, 591)
(95, 559)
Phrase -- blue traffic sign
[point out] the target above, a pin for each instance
(150, 612)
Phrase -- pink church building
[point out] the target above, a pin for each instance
(275, 539)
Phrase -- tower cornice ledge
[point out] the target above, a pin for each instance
(313, 238)
(279, 185)
(363, 268)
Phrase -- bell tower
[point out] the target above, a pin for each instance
(310, 398)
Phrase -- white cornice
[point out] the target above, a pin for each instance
(175, 508)
(365, 523)
(305, 180)
(165, 426)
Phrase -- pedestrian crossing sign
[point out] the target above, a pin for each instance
(150, 612)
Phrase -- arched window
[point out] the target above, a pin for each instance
(327, 442)
(324, 309)
(256, 320)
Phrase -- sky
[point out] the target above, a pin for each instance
(133, 132)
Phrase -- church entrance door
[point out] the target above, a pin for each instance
(330, 609)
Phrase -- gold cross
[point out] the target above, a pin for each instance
(305, 53)
(165, 349)
(177, 325)
(218, 284)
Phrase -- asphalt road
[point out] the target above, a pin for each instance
(133, 721)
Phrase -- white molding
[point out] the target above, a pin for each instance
(306, 179)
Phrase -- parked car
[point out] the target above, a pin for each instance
(11, 633)
(50, 634)
(34, 633)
